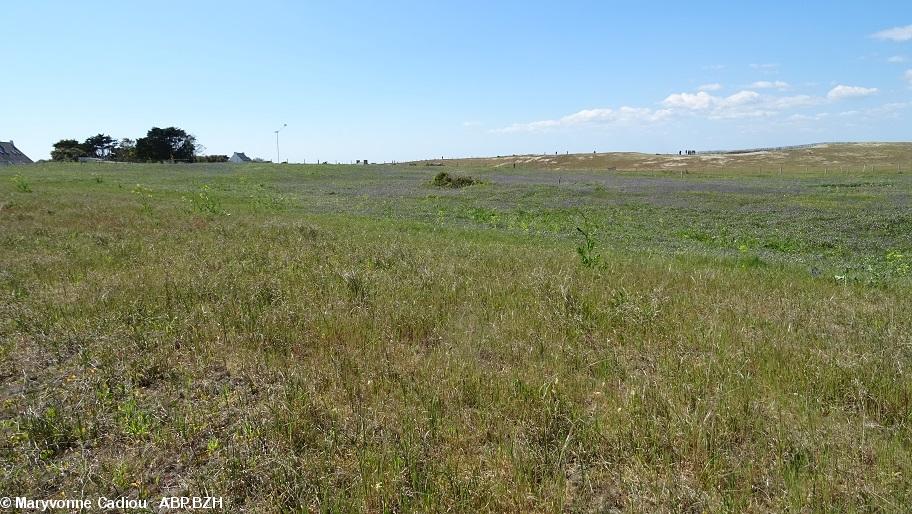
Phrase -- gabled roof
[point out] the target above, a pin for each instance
(9, 154)
(239, 156)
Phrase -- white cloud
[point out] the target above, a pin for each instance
(783, 103)
(890, 110)
(715, 86)
(896, 59)
(739, 98)
(736, 114)
(809, 117)
(534, 126)
(744, 104)
(885, 111)
(897, 34)
(603, 116)
(716, 106)
(839, 92)
(693, 101)
(880, 112)
(623, 114)
(908, 76)
(766, 84)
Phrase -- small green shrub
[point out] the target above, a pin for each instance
(899, 262)
(48, 431)
(133, 420)
(21, 183)
(444, 179)
(588, 253)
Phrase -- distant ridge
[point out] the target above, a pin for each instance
(815, 156)
(774, 148)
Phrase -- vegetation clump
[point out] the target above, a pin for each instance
(587, 251)
(22, 185)
(444, 179)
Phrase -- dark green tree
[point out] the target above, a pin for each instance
(67, 150)
(162, 144)
(100, 146)
(124, 150)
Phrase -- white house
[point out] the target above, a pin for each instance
(239, 158)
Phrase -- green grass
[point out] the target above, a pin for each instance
(341, 338)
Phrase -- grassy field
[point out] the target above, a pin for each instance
(355, 338)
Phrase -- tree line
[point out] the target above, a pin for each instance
(159, 145)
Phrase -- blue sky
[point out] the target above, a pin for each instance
(404, 80)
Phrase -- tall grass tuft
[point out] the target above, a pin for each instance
(587, 249)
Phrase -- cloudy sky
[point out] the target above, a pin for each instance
(404, 80)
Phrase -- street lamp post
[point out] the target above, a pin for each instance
(278, 157)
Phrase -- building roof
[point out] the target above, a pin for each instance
(9, 154)
(239, 157)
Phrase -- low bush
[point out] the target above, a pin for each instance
(444, 179)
